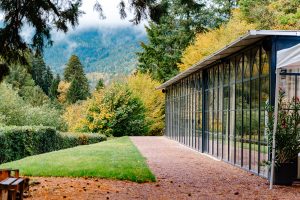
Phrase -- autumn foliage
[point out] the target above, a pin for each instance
(144, 86)
(209, 42)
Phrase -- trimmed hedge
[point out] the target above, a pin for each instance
(18, 142)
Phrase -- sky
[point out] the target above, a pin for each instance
(111, 11)
(110, 8)
(91, 20)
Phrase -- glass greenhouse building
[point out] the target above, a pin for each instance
(218, 106)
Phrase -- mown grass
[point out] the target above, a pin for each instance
(113, 159)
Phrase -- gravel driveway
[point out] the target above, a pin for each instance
(181, 173)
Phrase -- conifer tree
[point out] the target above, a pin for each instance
(79, 88)
(41, 74)
(53, 90)
(100, 84)
(73, 66)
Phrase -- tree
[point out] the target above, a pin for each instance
(41, 74)
(22, 81)
(79, 88)
(46, 15)
(272, 14)
(128, 111)
(116, 111)
(14, 111)
(53, 90)
(4, 71)
(223, 9)
(172, 34)
(143, 86)
(209, 42)
(63, 88)
(100, 84)
(160, 56)
(42, 16)
(73, 67)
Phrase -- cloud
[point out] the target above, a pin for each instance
(91, 20)
(111, 11)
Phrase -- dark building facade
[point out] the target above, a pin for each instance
(218, 106)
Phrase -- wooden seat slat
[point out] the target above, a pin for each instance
(8, 181)
(11, 186)
(17, 182)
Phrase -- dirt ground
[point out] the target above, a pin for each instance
(181, 174)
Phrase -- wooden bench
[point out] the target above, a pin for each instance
(5, 173)
(11, 185)
(12, 189)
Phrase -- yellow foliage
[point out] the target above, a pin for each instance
(144, 87)
(286, 14)
(74, 116)
(97, 113)
(63, 88)
(211, 41)
(89, 115)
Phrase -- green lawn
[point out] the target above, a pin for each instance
(114, 159)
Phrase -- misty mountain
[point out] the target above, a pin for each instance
(109, 52)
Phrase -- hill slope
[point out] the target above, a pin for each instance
(109, 52)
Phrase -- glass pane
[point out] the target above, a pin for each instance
(265, 67)
(226, 73)
(231, 149)
(254, 139)
(265, 85)
(255, 66)
(225, 135)
(239, 68)
(220, 131)
(232, 70)
(247, 69)
(255, 94)
(238, 151)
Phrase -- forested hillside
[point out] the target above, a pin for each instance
(106, 51)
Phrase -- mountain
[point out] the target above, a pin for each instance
(110, 52)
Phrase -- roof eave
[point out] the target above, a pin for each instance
(209, 59)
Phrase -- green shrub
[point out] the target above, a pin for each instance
(116, 111)
(14, 111)
(19, 142)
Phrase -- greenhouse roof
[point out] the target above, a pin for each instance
(251, 37)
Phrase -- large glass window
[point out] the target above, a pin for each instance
(221, 109)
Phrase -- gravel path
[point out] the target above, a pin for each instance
(181, 174)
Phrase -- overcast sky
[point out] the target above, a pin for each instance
(111, 11)
(91, 19)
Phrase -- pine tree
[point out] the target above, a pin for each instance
(79, 88)
(41, 74)
(53, 92)
(100, 84)
(174, 31)
(22, 81)
(73, 66)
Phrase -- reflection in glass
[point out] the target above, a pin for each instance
(236, 92)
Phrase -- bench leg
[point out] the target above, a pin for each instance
(4, 195)
(12, 195)
(21, 190)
